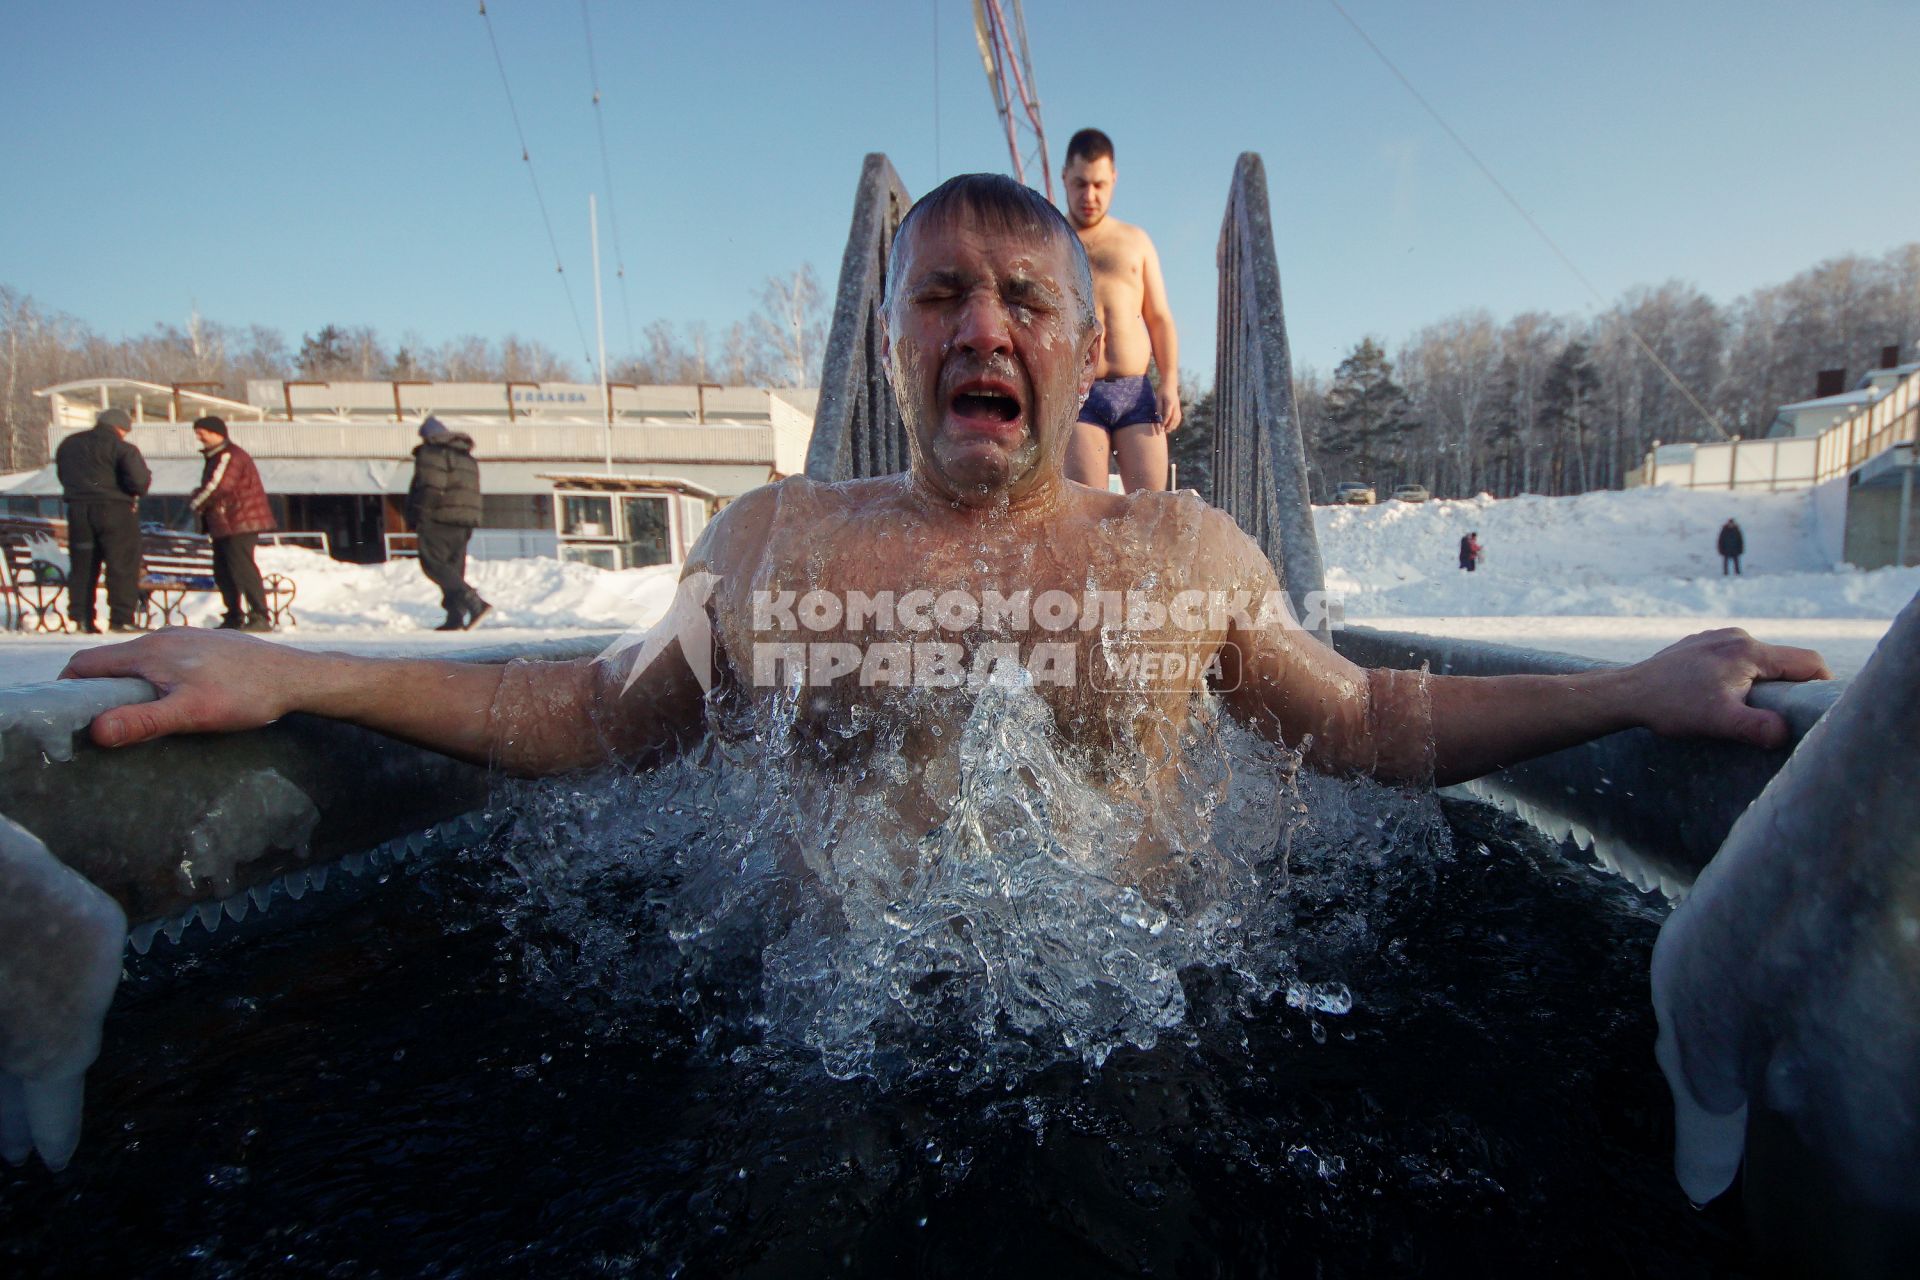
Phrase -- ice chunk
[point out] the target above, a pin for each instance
(57, 976)
(258, 811)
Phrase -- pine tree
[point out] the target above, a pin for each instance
(325, 355)
(1567, 412)
(1368, 416)
(1190, 449)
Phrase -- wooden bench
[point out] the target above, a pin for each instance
(174, 564)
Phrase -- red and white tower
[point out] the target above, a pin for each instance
(1001, 29)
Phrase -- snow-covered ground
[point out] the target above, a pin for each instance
(1609, 575)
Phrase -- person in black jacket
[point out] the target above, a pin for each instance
(443, 507)
(1733, 545)
(102, 476)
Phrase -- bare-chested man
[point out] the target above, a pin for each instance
(1125, 415)
(878, 607)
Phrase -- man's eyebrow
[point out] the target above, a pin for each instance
(938, 278)
(1022, 285)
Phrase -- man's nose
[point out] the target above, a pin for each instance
(984, 329)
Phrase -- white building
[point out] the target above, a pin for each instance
(622, 477)
(1804, 419)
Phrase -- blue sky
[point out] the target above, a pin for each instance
(354, 162)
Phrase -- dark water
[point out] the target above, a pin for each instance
(386, 1089)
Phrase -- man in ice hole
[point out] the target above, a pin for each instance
(991, 343)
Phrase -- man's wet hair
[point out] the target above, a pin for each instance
(1089, 145)
(994, 202)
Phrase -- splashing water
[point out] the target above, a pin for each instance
(1046, 916)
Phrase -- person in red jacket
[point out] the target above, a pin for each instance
(232, 504)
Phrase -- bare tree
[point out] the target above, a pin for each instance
(791, 324)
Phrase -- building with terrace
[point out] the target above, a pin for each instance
(615, 476)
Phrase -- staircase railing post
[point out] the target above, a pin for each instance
(1260, 464)
(857, 429)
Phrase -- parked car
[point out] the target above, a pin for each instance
(1411, 493)
(1355, 494)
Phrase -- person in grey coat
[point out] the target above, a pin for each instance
(443, 507)
(102, 476)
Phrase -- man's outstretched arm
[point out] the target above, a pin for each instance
(637, 703)
(528, 718)
(1695, 688)
(1409, 727)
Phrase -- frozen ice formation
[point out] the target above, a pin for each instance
(257, 811)
(40, 720)
(58, 971)
(203, 828)
(1788, 983)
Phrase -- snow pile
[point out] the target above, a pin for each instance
(1643, 552)
(396, 596)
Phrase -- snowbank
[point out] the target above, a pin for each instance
(396, 596)
(1644, 552)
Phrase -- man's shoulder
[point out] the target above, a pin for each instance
(802, 495)
(1162, 514)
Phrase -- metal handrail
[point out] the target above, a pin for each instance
(1259, 462)
(857, 430)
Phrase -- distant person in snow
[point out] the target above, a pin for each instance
(443, 507)
(232, 504)
(1733, 545)
(1470, 551)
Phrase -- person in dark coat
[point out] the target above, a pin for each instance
(102, 476)
(443, 508)
(1733, 545)
(233, 508)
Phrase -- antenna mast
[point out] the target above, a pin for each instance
(1003, 51)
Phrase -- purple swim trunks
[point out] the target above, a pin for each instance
(1121, 402)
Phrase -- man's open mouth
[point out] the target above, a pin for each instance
(985, 403)
(976, 404)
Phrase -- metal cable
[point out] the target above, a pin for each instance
(606, 174)
(1538, 230)
(527, 158)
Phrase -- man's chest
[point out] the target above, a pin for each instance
(1115, 261)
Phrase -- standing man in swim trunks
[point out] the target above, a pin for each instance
(1123, 414)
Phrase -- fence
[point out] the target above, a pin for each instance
(312, 541)
(486, 544)
(1789, 462)
(1259, 463)
(857, 429)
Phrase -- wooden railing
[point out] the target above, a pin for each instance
(1787, 462)
(857, 429)
(1259, 463)
(1871, 430)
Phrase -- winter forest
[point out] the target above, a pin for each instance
(1557, 405)
(1538, 404)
